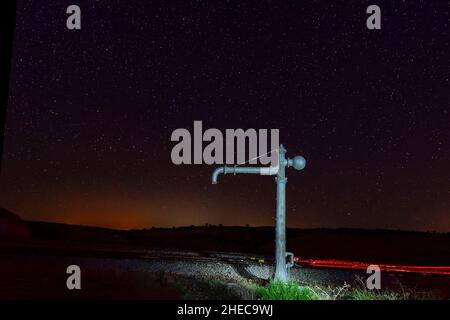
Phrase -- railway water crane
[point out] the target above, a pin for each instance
(298, 163)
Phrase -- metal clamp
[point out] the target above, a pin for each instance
(290, 261)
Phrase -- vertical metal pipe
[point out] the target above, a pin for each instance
(280, 228)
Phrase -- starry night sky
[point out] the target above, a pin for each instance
(91, 112)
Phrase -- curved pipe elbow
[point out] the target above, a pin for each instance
(216, 173)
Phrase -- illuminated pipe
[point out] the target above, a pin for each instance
(252, 170)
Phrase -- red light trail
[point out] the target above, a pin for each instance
(342, 264)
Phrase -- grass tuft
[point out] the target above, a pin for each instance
(278, 290)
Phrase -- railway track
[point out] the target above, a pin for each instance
(209, 256)
(125, 253)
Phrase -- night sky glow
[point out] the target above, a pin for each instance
(91, 112)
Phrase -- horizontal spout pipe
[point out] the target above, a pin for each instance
(234, 170)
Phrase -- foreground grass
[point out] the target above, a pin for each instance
(222, 288)
(277, 290)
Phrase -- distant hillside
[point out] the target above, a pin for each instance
(11, 226)
(378, 246)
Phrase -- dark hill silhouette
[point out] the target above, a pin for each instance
(12, 226)
(376, 246)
